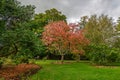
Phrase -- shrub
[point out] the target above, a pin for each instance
(102, 54)
(21, 59)
(24, 60)
(8, 61)
(19, 72)
(32, 61)
(113, 55)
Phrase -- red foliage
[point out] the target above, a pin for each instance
(77, 39)
(63, 38)
(18, 72)
(55, 36)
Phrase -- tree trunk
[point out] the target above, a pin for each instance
(16, 49)
(78, 58)
(62, 59)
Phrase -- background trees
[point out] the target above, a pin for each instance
(20, 29)
(21, 33)
(101, 32)
(118, 24)
(98, 29)
(42, 19)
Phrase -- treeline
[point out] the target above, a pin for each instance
(104, 36)
(21, 34)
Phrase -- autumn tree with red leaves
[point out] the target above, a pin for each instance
(62, 38)
(77, 40)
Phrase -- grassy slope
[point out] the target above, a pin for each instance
(75, 71)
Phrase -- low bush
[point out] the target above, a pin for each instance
(21, 59)
(114, 55)
(102, 54)
(24, 60)
(19, 72)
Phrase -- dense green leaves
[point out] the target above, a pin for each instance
(42, 19)
(18, 40)
(102, 54)
(13, 13)
(16, 36)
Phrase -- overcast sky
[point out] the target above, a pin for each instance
(74, 9)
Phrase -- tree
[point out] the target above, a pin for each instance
(42, 19)
(16, 36)
(12, 13)
(98, 29)
(118, 24)
(62, 38)
(50, 16)
(83, 21)
(77, 40)
(19, 41)
(116, 37)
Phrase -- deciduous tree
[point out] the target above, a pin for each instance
(98, 29)
(62, 38)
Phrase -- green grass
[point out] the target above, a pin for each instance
(75, 71)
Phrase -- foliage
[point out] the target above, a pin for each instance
(20, 40)
(13, 13)
(60, 37)
(51, 15)
(114, 55)
(99, 28)
(42, 19)
(117, 43)
(77, 39)
(24, 59)
(19, 72)
(118, 24)
(102, 54)
(20, 31)
(18, 59)
(117, 36)
(16, 36)
(55, 37)
(83, 21)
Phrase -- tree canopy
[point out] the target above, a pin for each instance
(62, 38)
(99, 28)
(16, 37)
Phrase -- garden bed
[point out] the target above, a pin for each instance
(18, 72)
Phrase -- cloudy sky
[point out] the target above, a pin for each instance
(74, 9)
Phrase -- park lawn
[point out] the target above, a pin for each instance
(75, 71)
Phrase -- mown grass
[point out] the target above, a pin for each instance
(75, 71)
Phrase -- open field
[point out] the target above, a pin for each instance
(75, 71)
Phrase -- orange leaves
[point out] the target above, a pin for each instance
(63, 37)
(78, 41)
(55, 32)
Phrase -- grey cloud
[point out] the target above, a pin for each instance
(74, 9)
